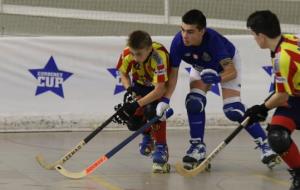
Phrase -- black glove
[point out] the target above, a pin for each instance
(129, 95)
(257, 113)
(125, 111)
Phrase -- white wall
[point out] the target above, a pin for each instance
(89, 92)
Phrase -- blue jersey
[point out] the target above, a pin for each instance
(213, 48)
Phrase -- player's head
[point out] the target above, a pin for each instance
(140, 45)
(193, 27)
(264, 25)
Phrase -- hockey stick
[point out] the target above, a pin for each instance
(102, 159)
(201, 167)
(50, 166)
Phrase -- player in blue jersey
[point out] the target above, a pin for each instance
(214, 59)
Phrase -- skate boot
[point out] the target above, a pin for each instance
(295, 173)
(268, 157)
(195, 155)
(160, 159)
(146, 146)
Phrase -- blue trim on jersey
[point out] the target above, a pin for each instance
(213, 48)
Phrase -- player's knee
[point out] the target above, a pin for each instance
(234, 111)
(279, 138)
(195, 102)
(150, 111)
(134, 123)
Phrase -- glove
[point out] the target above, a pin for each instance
(210, 76)
(129, 108)
(129, 95)
(256, 113)
(162, 107)
(125, 111)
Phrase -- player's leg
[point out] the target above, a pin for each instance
(284, 122)
(195, 104)
(160, 154)
(234, 110)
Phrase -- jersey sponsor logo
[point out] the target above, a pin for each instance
(137, 66)
(280, 79)
(206, 57)
(276, 67)
(160, 72)
(157, 58)
(195, 56)
(187, 55)
(50, 78)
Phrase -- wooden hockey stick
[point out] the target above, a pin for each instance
(50, 166)
(201, 167)
(102, 159)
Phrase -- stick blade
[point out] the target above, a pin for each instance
(41, 160)
(189, 173)
(69, 174)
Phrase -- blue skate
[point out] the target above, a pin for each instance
(146, 146)
(195, 155)
(160, 159)
(268, 157)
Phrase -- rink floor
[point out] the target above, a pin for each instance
(236, 167)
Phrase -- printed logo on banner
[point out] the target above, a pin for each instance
(269, 71)
(214, 87)
(119, 87)
(50, 78)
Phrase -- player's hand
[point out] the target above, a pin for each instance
(210, 76)
(129, 95)
(129, 108)
(162, 107)
(257, 113)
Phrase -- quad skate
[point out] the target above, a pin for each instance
(195, 155)
(160, 159)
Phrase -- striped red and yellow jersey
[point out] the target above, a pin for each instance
(286, 65)
(153, 70)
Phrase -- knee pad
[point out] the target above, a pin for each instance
(234, 111)
(150, 110)
(195, 102)
(135, 122)
(279, 138)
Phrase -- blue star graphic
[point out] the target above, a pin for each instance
(214, 87)
(269, 71)
(50, 78)
(115, 73)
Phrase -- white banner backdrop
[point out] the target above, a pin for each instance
(69, 83)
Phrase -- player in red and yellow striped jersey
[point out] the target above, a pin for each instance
(285, 52)
(143, 67)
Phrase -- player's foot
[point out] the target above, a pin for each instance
(160, 159)
(295, 173)
(268, 157)
(194, 155)
(146, 146)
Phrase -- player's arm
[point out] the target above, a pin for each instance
(125, 80)
(172, 82)
(158, 91)
(276, 100)
(229, 72)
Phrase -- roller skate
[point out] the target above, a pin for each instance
(295, 173)
(268, 157)
(146, 146)
(160, 159)
(195, 155)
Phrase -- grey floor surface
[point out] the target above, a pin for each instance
(237, 167)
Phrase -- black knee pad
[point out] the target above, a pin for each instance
(150, 111)
(135, 122)
(279, 138)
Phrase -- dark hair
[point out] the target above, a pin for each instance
(139, 40)
(264, 22)
(194, 17)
